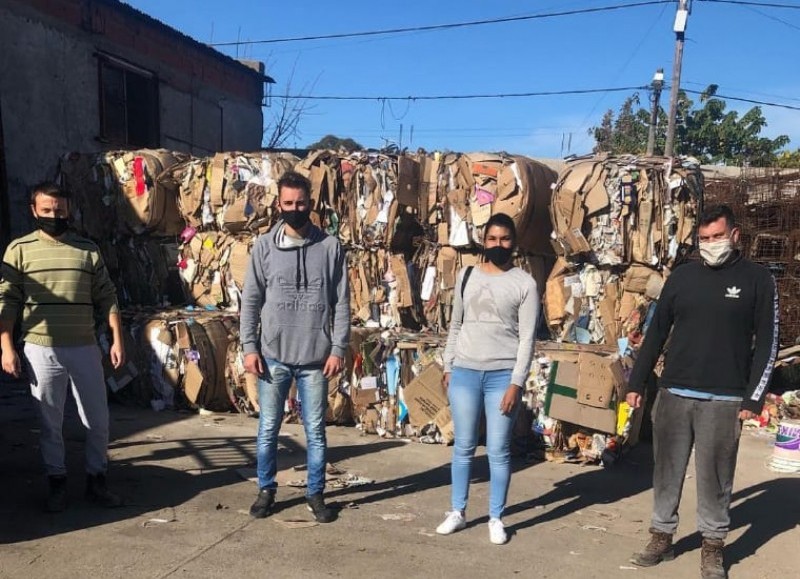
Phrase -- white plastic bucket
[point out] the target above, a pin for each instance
(786, 454)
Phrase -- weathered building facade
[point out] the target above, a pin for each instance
(89, 75)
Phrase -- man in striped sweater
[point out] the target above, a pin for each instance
(53, 282)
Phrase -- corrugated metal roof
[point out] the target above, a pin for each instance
(130, 10)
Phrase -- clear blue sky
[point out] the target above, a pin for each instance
(750, 52)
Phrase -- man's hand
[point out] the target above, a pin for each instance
(446, 381)
(634, 399)
(117, 355)
(11, 363)
(253, 364)
(743, 414)
(510, 399)
(333, 365)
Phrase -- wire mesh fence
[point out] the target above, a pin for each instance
(767, 205)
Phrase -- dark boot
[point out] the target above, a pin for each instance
(712, 565)
(317, 506)
(97, 491)
(57, 494)
(263, 505)
(658, 549)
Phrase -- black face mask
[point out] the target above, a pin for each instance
(498, 254)
(296, 219)
(53, 226)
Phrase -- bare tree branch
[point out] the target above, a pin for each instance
(285, 122)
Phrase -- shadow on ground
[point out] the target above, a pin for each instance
(764, 510)
(149, 472)
(596, 486)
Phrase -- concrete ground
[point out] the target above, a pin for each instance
(186, 511)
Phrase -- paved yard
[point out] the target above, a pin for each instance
(186, 510)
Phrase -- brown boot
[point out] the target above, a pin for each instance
(658, 549)
(712, 565)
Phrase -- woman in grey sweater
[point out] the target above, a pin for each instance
(487, 360)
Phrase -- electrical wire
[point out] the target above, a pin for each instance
(620, 70)
(774, 18)
(742, 90)
(448, 26)
(461, 97)
(761, 4)
(744, 100)
(386, 99)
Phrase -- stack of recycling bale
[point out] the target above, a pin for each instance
(226, 201)
(180, 357)
(620, 225)
(177, 230)
(125, 202)
(439, 205)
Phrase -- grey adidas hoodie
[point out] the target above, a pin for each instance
(298, 297)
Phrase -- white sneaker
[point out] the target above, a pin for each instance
(454, 521)
(497, 532)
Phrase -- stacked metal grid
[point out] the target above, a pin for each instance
(767, 205)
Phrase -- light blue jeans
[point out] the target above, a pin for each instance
(273, 388)
(470, 392)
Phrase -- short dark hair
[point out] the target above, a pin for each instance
(294, 180)
(713, 212)
(47, 188)
(502, 220)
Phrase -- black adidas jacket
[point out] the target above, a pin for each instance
(724, 324)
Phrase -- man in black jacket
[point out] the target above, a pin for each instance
(722, 313)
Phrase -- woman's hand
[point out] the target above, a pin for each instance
(510, 399)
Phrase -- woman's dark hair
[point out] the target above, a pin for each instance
(504, 221)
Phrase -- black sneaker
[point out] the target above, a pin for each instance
(262, 508)
(57, 494)
(317, 506)
(97, 492)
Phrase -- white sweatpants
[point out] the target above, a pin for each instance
(53, 370)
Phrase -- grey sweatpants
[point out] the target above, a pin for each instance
(713, 428)
(53, 370)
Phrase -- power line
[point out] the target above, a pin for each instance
(459, 97)
(775, 18)
(762, 4)
(522, 95)
(744, 90)
(621, 69)
(525, 95)
(744, 100)
(448, 26)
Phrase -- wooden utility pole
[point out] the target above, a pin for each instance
(680, 29)
(658, 83)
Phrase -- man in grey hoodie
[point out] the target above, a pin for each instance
(295, 324)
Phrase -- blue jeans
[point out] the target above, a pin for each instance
(470, 392)
(273, 388)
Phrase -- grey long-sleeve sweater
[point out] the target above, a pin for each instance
(296, 301)
(493, 328)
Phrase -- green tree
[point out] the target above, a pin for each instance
(708, 132)
(335, 143)
(789, 159)
(627, 132)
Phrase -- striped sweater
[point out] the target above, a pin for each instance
(55, 286)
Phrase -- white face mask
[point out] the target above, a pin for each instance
(715, 253)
